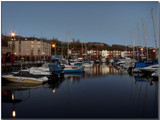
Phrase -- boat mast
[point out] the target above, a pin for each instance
(132, 44)
(85, 51)
(139, 38)
(159, 56)
(82, 49)
(144, 28)
(62, 50)
(97, 52)
(154, 30)
(135, 43)
(68, 47)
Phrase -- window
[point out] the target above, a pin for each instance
(38, 52)
(31, 52)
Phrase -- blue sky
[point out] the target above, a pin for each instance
(105, 22)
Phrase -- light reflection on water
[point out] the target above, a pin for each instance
(100, 92)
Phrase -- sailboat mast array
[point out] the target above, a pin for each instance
(139, 38)
(154, 29)
(132, 44)
(145, 33)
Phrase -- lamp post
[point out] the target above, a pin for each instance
(54, 46)
(141, 53)
(154, 52)
(43, 54)
(12, 39)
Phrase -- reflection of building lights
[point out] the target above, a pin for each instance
(71, 78)
(12, 96)
(14, 113)
(54, 90)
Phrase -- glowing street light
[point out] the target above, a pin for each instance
(54, 46)
(12, 38)
(154, 51)
(13, 34)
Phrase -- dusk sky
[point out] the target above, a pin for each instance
(105, 22)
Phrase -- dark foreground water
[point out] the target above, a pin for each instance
(101, 92)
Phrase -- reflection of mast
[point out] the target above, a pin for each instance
(155, 100)
(139, 96)
(145, 102)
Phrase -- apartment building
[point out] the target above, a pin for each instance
(31, 47)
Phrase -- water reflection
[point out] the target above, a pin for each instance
(100, 92)
(102, 69)
(12, 94)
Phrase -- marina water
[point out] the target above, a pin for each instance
(100, 92)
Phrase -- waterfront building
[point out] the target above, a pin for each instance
(31, 47)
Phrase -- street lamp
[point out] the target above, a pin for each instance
(54, 46)
(154, 50)
(43, 55)
(12, 38)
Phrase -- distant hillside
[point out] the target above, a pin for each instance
(73, 44)
(4, 40)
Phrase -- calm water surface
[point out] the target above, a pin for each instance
(101, 92)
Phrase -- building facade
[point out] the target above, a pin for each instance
(31, 47)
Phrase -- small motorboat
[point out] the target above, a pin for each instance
(35, 71)
(87, 64)
(44, 68)
(25, 77)
(73, 70)
(151, 68)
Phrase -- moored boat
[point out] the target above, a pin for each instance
(87, 64)
(73, 70)
(151, 68)
(25, 77)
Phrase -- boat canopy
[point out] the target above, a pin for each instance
(26, 74)
(55, 67)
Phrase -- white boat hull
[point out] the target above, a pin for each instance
(17, 79)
